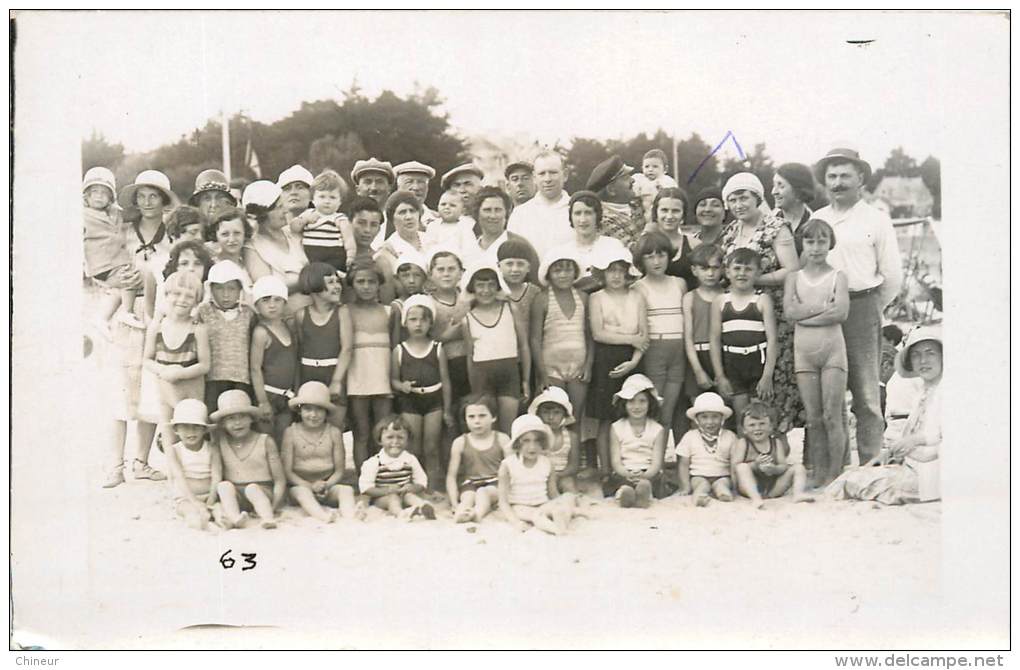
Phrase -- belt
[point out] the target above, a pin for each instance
(745, 350)
(319, 362)
(898, 416)
(430, 389)
(286, 393)
(702, 346)
(666, 336)
(864, 293)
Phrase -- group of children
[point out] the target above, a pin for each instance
(469, 345)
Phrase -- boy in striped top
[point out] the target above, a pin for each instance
(320, 228)
(393, 478)
(743, 345)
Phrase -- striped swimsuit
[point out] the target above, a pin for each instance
(743, 344)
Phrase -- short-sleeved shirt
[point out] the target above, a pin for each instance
(706, 461)
(382, 470)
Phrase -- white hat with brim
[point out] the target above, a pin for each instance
(916, 336)
(312, 393)
(557, 255)
(190, 411)
(709, 402)
(226, 271)
(412, 257)
(557, 396)
(636, 384)
(267, 286)
(418, 300)
(743, 181)
(614, 254)
(99, 176)
(295, 173)
(466, 168)
(234, 401)
(465, 282)
(153, 179)
(262, 193)
(527, 423)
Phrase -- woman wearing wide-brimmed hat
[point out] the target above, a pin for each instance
(771, 238)
(907, 468)
(148, 198)
(212, 194)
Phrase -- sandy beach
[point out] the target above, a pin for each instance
(828, 574)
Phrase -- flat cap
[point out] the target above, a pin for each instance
(461, 169)
(372, 165)
(414, 167)
(607, 172)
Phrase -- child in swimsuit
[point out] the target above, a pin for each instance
(816, 299)
(473, 476)
(554, 408)
(325, 338)
(704, 465)
(190, 463)
(761, 459)
(253, 476)
(561, 345)
(515, 269)
(274, 357)
(313, 456)
(665, 361)
(637, 443)
(743, 344)
(368, 378)
(392, 479)
(420, 377)
(707, 266)
(619, 328)
(411, 277)
(177, 349)
(527, 482)
(496, 343)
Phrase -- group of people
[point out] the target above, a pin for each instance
(505, 345)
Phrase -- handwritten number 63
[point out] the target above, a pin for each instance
(227, 562)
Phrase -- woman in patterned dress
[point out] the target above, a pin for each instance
(772, 240)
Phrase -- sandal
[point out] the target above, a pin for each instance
(145, 471)
(115, 477)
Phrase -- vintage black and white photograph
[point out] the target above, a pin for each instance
(509, 330)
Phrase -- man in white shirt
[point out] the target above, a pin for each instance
(543, 220)
(867, 252)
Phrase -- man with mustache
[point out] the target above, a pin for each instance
(520, 182)
(867, 252)
(374, 179)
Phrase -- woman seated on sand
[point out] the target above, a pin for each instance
(907, 469)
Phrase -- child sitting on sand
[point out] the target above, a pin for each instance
(393, 478)
(553, 407)
(760, 459)
(473, 475)
(250, 461)
(527, 482)
(703, 465)
(190, 463)
(313, 456)
(637, 443)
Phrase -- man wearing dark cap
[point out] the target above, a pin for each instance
(867, 252)
(212, 194)
(520, 182)
(623, 216)
(543, 220)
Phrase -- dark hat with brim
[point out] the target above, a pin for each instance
(606, 172)
(210, 180)
(842, 155)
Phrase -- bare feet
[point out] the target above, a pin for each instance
(803, 497)
(463, 516)
(701, 500)
(360, 511)
(644, 494)
(269, 524)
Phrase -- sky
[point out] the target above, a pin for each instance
(789, 79)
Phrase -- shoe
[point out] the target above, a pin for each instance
(142, 470)
(115, 477)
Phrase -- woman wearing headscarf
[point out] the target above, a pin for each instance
(771, 238)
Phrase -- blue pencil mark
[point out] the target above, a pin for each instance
(729, 135)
